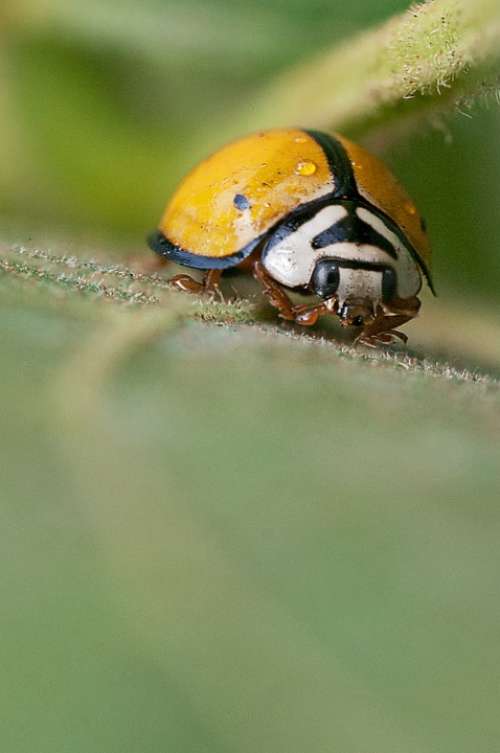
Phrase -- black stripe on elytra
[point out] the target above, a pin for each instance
(161, 245)
(339, 163)
(352, 229)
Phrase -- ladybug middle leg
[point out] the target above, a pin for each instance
(305, 315)
(209, 284)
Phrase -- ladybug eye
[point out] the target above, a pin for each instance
(326, 278)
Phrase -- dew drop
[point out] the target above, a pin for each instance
(306, 167)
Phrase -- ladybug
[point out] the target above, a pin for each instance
(303, 211)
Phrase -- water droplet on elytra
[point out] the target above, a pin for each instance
(306, 167)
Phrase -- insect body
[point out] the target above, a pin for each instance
(303, 211)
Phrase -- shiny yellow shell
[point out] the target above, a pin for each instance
(272, 173)
(275, 170)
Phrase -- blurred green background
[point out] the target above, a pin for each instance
(226, 540)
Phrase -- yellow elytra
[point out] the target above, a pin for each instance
(234, 197)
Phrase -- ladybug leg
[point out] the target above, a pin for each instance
(307, 315)
(187, 284)
(382, 331)
(386, 335)
(211, 281)
(274, 292)
(304, 315)
(209, 284)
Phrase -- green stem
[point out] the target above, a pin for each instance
(435, 51)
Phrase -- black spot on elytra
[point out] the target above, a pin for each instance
(241, 202)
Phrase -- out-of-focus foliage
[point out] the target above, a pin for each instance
(105, 105)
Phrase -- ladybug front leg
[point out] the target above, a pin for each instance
(305, 315)
(382, 331)
(209, 284)
(309, 315)
(274, 292)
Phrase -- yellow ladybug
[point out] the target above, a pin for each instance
(307, 211)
